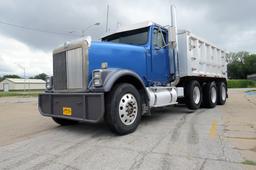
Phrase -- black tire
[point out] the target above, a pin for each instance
(64, 122)
(114, 117)
(181, 100)
(191, 101)
(221, 93)
(209, 101)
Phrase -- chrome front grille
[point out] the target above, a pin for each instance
(70, 67)
(59, 71)
(74, 63)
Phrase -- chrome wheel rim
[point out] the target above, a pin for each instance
(128, 109)
(196, 95)
(213, 94)
(223, 92)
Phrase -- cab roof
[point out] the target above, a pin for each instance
(131, 27)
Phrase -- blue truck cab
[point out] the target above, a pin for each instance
(120, 78)
(143, 51)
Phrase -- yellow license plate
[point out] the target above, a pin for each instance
(67, 111)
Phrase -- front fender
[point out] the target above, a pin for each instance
(111, 76)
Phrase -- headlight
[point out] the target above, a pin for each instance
(96, 75)
(48, 83)
(97, 81)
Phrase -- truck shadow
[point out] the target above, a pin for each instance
(88, 129)
(102, 129)
(157, 114)
(177, 109)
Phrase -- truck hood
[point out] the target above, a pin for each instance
(122, 56)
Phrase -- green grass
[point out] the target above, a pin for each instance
(241, 84)
(251, 91)
(249, 162)
(19, 93)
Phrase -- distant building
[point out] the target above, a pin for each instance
(19, 84)
(251, 77)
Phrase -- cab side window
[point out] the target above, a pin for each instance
(159, 38)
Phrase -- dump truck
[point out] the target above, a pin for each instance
(130, 71)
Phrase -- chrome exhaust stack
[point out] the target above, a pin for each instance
(173, 45)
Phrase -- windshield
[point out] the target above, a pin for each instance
(134, 37)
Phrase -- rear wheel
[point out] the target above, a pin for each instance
(64, 122)
(210, 95)
(123, 108)
(222, 93)
(193, 95)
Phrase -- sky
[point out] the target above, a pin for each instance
(229, 24)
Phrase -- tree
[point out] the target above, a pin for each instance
(239, 56)
(236, 70)
(241, 64)
(41, 76)
(11, 76)
(250, 64)
(8, 76)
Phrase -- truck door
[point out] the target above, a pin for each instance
(159, 57)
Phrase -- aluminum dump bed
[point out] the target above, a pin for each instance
(198, 57)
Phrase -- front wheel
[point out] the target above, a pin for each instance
(123, 109)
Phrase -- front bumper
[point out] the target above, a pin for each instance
(87, 107)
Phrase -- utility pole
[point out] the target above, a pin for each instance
(118, 24)
(107, 18)
(24, 75)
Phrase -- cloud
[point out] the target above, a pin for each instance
(71, 16)
(228, 24)
(219, 21)
(15, 55)
(4, 69)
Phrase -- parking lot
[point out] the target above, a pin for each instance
(171, 138)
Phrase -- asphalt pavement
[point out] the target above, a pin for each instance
(171, 138)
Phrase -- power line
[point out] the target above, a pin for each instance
(35, 29)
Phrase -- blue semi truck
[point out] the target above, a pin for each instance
(129, 72)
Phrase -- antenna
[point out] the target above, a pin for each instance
(107, 18)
